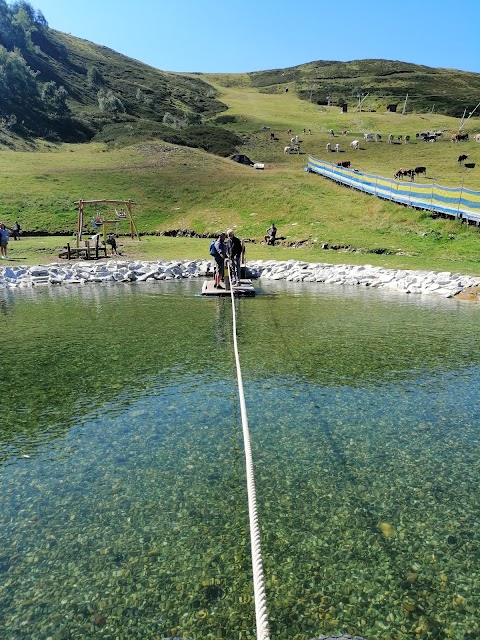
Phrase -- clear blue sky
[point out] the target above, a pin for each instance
(254, 35)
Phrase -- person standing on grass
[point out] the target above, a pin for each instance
(16, 230)
(4, 235)
(271, 234)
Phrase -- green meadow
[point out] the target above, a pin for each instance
(177, 187)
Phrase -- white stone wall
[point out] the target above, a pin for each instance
(421, 282)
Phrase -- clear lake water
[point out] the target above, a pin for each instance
(123, 508)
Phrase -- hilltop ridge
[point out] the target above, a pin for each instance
(59, 87)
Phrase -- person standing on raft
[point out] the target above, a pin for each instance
(220, 257)
(234, 251)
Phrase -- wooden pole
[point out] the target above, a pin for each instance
(79, 222)
(133, 229)
(465, 120)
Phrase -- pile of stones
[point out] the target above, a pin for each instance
(445, 284)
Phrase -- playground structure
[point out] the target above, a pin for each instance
(98, 222)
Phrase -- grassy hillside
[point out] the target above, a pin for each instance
(445, 91)
(183, 188)
(62, 88)
(164, 151)
(59, 87)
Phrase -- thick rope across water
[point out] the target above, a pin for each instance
(263, 632)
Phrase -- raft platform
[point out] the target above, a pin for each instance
(244, 288)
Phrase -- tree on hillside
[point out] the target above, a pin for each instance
(17, 23)
(55, 99)
(19, 95)
(109, 102)
(40, 19)
(6, 122)
(182, 120)
(17, 80)
(11, 34)
(94, 77)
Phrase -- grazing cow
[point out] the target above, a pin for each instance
(337, 147)
(402, 173)
(295, 148)
(400, 138)
(292, 140)
(287, 150)
(332, 133)
(462, 158)
(345, 164)
(328, 147)
(407, 139)
(377, 137)
(390, 139)
(477, 137)
(458, 137)
(272, 136)
(419, 170)
(355, 144)
(368, 137)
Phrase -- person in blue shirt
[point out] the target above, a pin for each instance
(4, 235)
(220, 255)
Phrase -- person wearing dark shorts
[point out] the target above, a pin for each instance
(220, 256)
(234, 252)
(271, 234)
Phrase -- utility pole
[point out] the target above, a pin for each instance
(465, 120)
(361, 98)
(405, 105)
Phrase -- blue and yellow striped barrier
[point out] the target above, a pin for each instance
(453, 201)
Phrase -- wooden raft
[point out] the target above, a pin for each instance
(244, 288)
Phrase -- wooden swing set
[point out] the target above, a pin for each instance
(90, 251)
(99, 222)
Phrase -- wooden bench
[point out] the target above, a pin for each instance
(88, 252)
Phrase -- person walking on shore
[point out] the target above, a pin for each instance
(4, 235)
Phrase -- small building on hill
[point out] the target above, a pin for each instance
(392, 108)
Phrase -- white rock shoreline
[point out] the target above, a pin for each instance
(444, 283)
